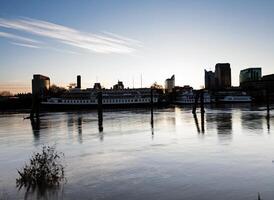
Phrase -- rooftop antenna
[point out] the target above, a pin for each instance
(133, 81)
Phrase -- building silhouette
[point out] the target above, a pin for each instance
(170, 84)
(222, 75)
(209, 80)
(78, 82)
(40, 85)
(250, 74)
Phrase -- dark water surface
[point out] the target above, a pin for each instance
(133, 158)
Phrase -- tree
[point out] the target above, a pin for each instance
(155, 85)
(5, 93)
(56, 91)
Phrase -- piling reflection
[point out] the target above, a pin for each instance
(100, 111)
(202, 123)
(196, 123)
(100, 121)
(152, 122)
(268, 122)
(35, 125)
(79, 128)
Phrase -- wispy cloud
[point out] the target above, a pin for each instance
(103, 43)
(25, 45)
(63, 51)
(18, 38)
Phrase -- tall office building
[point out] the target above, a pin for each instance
(40, 85)
(222, 75)
(170, 84)
(209, 80)
(250, 74)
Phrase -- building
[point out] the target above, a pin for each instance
(119, 86)
(260, 89)
(78, 82)
(170, 84)
(209, 80)
(222, 75)
(40, 85)
(250, 74)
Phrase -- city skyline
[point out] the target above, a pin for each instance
(120, 40)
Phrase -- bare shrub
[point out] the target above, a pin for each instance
(45, 170)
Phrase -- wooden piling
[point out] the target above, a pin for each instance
(267, 102)
(35, 108)
(195, 103)
(202, 110)
(151, 112)
(151, 107)
(100, 110)
(202, 102)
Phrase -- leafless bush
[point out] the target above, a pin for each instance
(45, 170)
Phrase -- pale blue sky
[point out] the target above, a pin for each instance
(107, 40)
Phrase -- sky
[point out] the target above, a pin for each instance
(110, 40)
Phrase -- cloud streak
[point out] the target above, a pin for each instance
(18, 38)
(103, 43)
(25, 45)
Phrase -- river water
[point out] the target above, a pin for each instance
(135, 156)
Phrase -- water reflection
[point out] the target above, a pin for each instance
(196, 123)
(224, 123)
(127, 155)
(100, 120)
(268, 122)
(152, 122)
(43, 193)
(252, 120)
(79, 127)
(35, 125)
(221, 121)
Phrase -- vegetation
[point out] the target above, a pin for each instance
(5, 93)
(155, 85)
(56, 91)
(44, 170)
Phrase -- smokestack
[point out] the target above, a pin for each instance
(78, 82)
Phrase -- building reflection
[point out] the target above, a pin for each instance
(166, 117)
(224, 123)
(75, 122)
(252, 121)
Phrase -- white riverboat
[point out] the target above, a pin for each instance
(188, 97)
(110, 97)
(231, 99)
